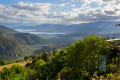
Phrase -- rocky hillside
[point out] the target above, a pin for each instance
(11, 41)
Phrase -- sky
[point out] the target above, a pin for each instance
(67, 12)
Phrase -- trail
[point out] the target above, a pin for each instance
(23, 63)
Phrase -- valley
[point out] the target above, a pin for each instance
(59, 39)
(30, 40)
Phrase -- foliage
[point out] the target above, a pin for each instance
(3, 62)
(84, 55)
(28, 64)
(112, 67)
(49, 70)
(44, 56)
(17, 72)
(67, 74)
(26, 58)
(77, 62)
(38, 65)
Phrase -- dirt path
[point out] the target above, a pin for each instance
(23, 63)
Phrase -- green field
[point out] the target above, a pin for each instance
(28, 49)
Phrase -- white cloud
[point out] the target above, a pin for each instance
(75, 0)
(43, 7)
(72, 5)
(40, 12)
(62, 5)
(99, 1)
(24, 12)
(110, 12)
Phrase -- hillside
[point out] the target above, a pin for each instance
(11, 43)
(9, 48)
(22, 38)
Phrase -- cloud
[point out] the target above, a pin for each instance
(24, 12)
(38, 13)
(73, 5)
(43, 7)
(75, 0)
(109, 12)
(99, 2)
(62, 5)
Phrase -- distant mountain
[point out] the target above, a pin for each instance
(43, 28)
(96, 27)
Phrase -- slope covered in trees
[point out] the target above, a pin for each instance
(9, 47)
(11, 41)
(22, 38)
(80, 61)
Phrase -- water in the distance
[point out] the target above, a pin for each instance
(36, 32)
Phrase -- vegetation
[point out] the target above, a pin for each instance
(11, 42)
(17, 72)
(83, 60)
(76, 62)
(26, 58)
(3, 62)
(9, 47)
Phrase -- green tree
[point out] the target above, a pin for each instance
(45, 56)
(54, 51)
(50, 70)
(26, 58)
(67, 74)
(40, 68)
(17, 72)
(3, 62)
(84, 55)
(39, 64)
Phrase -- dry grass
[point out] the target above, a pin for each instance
(23, 63)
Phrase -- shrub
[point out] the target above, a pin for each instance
(3, 62)
(112, 67)
(17, 72)
(26, 58)
(28, 64)
(67, 74)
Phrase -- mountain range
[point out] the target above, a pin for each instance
(96, 27)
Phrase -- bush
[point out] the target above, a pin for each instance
(20, 60)
(67, 74)
(3, 62)
(112, 67)
(28, 64)
(26, 58)
(17, 72)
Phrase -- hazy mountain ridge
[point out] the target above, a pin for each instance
(97, 27)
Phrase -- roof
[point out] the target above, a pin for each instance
(118, 25)
(110, 40)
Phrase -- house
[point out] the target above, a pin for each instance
(118, 25)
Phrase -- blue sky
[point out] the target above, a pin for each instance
(35, 12)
